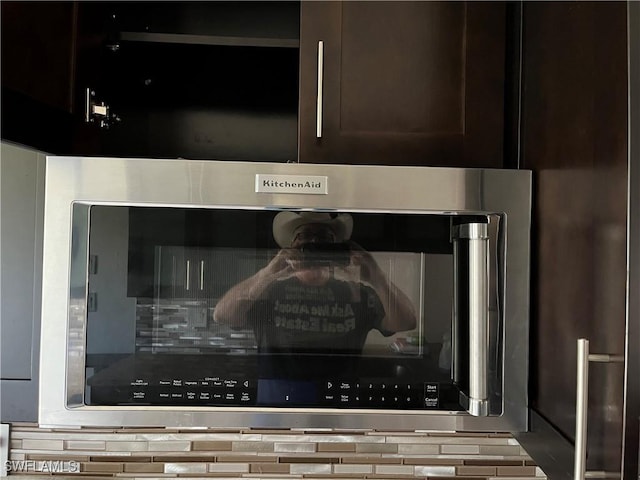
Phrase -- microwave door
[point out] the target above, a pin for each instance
(470, 347)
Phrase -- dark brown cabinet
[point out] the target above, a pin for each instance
(576, 79)
(407, 83)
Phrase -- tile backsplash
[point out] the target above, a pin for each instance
(146, 453)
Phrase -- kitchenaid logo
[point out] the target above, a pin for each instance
(308, 184)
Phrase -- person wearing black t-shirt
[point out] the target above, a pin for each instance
(311, 312)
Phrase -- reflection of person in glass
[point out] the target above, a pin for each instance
(322, 293)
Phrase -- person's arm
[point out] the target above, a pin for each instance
(400, 314)
(233, 307)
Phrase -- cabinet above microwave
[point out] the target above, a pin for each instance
(239, 81)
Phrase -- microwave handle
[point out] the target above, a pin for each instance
(476, 243)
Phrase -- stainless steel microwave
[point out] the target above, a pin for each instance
(205, 293)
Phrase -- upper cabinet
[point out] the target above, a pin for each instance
(380, 82)
(199, 80)
(407, 83)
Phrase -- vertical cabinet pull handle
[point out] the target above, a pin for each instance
(582, 403)
(582, 391)
(188, 268)
(201, 274)
(320, 88)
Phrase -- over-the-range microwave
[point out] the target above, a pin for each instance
(224, 294)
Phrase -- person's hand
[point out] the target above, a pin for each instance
(282, 265)
(369, 269)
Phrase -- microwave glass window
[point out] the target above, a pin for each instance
(229, 307)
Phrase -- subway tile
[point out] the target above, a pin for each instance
(336, 447)
(211, 445)
(317, 438)
(264, 476)
(96, 467)
(15, 443)
(70, 454)
(248, 457)
(252, 447)
(185, 467)
(252, 452)
(84, 445)
(449, 440)
(32, 444)
(264, 431)
(431, 461)
(119, 458)
(310, 469)
(477, 470)
(294, 447)
(498, 450)
(492, 462)
(201, 436)
(169, 446)
(352, 468)
(136, 429)
(460, 449)
(412, 449)
(372, 459)
(517, 471)
(268, 468)
(376, 448)
(314, 459)
(126, 446)
(228, 468)
(73, 435)
(180, 458)
(434, 471)
(393, 469)
(144, 468)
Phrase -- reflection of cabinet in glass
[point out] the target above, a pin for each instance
(417, 83)
(188, 235)
(200, 273)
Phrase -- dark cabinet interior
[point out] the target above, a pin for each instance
(202, 80)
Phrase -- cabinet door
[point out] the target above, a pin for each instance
(408, 83)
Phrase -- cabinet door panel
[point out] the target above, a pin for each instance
(404, 83)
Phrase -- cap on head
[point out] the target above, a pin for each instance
(286, 223)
